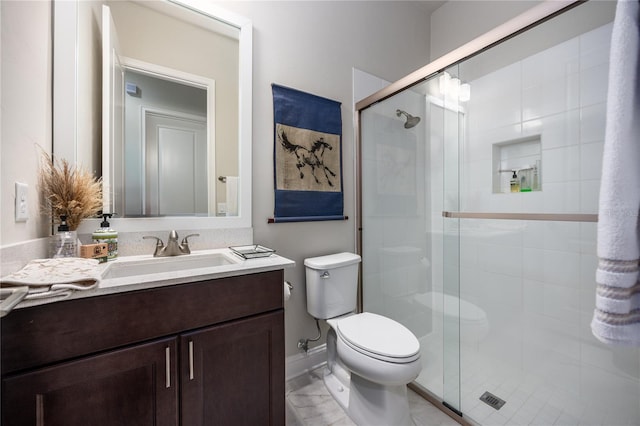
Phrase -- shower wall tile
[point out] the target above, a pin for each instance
(561, 164)
(588, 265)
(562, 268)
(595, 47)
(483, 138)
(588, 233)
(533, 297)
(552, 97)
(493, 106)
(562, 303)
(589, 195)
(553, 337)
(551, 266)
(533, 234)
(533, 264)
(561, 197)
(501, 259)
(592, 123)
(561, 236)
(591, 160)
(551, 64)
(532, 201)
(557, 130)
(593, 85)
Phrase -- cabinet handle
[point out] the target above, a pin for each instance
(190, 359)
(167, 366)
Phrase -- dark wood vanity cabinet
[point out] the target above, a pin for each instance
(229, 380)
(202, 353)
(123, 387)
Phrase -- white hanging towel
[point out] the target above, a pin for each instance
(232, 195)
(616, 318)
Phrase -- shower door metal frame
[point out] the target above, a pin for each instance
(521, 23)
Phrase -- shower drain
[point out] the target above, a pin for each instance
(492, 400)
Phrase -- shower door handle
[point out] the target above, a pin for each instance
(548, 217)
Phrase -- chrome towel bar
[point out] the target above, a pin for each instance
(550, 217)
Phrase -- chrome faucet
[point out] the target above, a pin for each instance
(173, 248)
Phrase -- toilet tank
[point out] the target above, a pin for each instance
(332, 284)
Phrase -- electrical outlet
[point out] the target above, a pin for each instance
(22, 205)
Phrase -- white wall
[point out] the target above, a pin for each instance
(458, 22)
(26, 111)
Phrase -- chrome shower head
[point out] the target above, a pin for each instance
(411, 120)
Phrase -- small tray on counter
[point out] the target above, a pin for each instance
(252, 251)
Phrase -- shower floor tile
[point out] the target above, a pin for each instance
(310, 404)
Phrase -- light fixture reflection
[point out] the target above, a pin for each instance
(454, 89)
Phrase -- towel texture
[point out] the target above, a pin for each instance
(616, 318)
(57, 278)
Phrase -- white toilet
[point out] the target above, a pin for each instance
(370, 358)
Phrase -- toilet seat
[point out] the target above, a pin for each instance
(379, 337)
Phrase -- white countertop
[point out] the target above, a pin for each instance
(232, 265)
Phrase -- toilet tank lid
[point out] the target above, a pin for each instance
(332, 261)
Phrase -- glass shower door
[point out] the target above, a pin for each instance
(409, 176)
(453, 114)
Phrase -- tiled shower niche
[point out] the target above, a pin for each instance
(522, 156)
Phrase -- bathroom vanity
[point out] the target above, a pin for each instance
(200, 352)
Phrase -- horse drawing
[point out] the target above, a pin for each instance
(309, 157)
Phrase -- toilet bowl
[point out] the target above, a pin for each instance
(377, 348)
(370, 358)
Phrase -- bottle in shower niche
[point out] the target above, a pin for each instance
(107, 235)
(65, 242)
(535, 186)
(515, 182)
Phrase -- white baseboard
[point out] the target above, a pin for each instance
(298, 364)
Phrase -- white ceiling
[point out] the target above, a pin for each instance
(428, 6)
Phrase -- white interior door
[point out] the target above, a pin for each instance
(175, 165)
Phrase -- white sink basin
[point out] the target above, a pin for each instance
(156, 265)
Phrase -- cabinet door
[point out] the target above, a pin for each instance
(133, 386)
(233, 374)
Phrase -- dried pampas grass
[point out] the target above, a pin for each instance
(69, 191)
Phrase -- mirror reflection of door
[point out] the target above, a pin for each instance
(175, 165)
(166, 123)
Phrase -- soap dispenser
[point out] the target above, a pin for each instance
(108, 236)
(64, 243)
(515, 182)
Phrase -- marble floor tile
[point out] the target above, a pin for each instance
(309, 403)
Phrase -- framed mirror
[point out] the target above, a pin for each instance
(155, 97)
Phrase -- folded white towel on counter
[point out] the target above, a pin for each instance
(55, 277)
(616, 318)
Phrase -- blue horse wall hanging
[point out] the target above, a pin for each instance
(307, 157)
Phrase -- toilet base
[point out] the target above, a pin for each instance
(368, 403)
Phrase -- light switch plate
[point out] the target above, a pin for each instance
(22, 206)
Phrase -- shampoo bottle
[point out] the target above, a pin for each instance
(515, 182)
(64, 243)
(107, 235)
